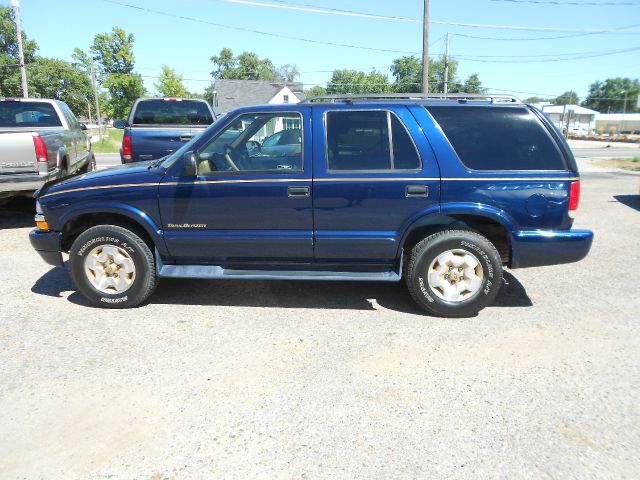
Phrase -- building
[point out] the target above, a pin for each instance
(612, 123)
(573, 118)
(231, 94)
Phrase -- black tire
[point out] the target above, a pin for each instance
(143, 283)
(427, 250)
(91, 164)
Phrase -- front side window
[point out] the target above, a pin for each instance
(369, 140)
(258, 142)
(490, 138)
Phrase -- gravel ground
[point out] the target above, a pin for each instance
(244, 380)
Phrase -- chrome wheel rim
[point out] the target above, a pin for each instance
(455, 275)
(110, 269)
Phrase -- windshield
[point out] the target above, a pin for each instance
(172, 112)
(171, 159)
(28, 114)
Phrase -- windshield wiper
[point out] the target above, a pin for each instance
(156, 162)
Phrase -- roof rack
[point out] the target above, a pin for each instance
(459, 97)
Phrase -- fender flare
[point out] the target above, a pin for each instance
(440, 214)
(61, 154)
(134, 214)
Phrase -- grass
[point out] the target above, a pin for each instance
(632, 164)
(110, 143)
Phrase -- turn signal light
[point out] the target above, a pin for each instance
(41, 223)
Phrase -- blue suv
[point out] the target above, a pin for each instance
(441, 190)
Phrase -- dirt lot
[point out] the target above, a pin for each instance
(243, 380)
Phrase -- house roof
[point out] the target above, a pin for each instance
(238, 93)
(618, 116)
(577, 109)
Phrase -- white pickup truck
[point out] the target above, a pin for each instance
(40, 140)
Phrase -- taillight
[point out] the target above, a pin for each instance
(127, 152)
(41, 149)
(574, 197)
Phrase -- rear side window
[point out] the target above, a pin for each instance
(172, 112)
(28, 114)
(369, 140)
(488, 138)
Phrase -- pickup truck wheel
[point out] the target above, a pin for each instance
(91, 164)
(454, 273)
(112, 267)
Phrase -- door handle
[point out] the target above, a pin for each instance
(417, 191)
(298, 191)
(186, 136)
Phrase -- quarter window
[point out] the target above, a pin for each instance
(369, 140)
(490, 138)
(263, 142)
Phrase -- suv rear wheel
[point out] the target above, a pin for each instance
(112, 267)
(454, 273)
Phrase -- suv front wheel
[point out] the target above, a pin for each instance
(454, 273)
(112, 267)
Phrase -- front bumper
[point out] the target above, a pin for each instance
(549, 247)
(47, 244)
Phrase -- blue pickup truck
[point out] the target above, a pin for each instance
(441, 191)
(157, 127)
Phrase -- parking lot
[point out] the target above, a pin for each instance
(242, 379)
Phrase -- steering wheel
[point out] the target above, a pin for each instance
(253, 147)
(230, 161)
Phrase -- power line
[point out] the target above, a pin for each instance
(557, 37)
(259, 32)
(577, 4)
(578, 57)
(557, 55)
(531, 29)
(313, 9)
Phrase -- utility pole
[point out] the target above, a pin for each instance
(425, 49)
(446, 65)
(624, 111)
(95, 94)
(89, 107)
(23, 72)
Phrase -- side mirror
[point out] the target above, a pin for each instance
(118, 124)
(190, 164)
(83, 126)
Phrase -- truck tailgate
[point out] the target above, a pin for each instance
(17, 153)
(151, 143)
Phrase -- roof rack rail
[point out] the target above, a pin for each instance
(460, 97)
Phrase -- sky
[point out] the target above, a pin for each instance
(525, 58)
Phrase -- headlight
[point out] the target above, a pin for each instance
(39, 208)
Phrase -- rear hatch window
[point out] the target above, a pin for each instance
(28, 114)
(490, 138)
(172, 112)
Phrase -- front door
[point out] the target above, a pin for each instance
(251, 200)
(374, 173)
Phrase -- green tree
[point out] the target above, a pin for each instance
(123, 91)
(249, 66)
(567, 98)
(535, 100)
(407, 73)
(54, 78)
(473, 84)
(316, 91)
(354, 81)
(608, 96)
(170, 83)
(114, 63)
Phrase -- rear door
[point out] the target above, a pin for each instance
(161, 126)
(374, 172)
